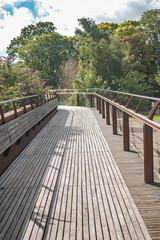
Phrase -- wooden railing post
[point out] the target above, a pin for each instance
(41, 99)
(2, 115)
(31, 102)
(24, 106)
(148, 153)
(47, 97)
(77, 99)
(91, 100)
(103, 111)
(107, 114)
(15, 110)
(100, 107)
(114, 119)
(125, 132)
(97, 102)
(38, 101)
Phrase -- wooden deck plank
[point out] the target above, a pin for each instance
(71, 186)
(146, 196)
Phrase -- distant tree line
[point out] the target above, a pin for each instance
(123, 57)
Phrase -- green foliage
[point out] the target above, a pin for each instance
(134, 82)
(108, 27)
(16, 80)
(150, 21)
(46, 54)
(121, 57)
(29, 33)
(91, 30)
(124, 58)
(87, 79)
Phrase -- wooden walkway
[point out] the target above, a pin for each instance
(66, 184)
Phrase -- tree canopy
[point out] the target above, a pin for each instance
(29, 33)
(121, 56)
(46, 54)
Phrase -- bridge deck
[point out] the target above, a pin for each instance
(66, 184)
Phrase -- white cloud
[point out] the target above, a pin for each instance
(64, 14)
(10, 26)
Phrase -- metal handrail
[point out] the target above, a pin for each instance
(111, 98)
(23, 100)
(18, 99)
(94, 90)
(131, 112)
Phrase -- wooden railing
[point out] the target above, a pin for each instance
(110, 102)
(20, 125)
(20, 106)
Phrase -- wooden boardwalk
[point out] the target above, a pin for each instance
(66, 184)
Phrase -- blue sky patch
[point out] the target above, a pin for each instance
(8, 8)
(28, 4)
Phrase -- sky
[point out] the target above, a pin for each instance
(16, 14)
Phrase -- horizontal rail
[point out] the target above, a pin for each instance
(96, 90)
(22, 105)
(132, 113)
(112, 98)
(18, 99)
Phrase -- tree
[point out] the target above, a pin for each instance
(91, 30)
(150, 21)
(46, 54)
(16, 80)
(108, 27)
(29, 33)
(134, 82)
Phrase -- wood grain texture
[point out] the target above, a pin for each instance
(13, 130)
(66, 185)
(146, 196)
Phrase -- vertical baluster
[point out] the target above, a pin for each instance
(107, 114)
(126, 146)
(114, 119)
(2, 115)
(15, 110)
(148, 153)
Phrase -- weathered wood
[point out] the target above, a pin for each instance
(114, 119)
(103, 109)
(13, 130)
(107, 114)
(131, 164)
(67, 185)
(148, 154)
(126, 145)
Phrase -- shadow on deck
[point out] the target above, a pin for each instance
(66, 184)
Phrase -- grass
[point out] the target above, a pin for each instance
(157, 118)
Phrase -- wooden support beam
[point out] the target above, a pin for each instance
(126, 146)
(77, 99)
(2, 115)
(97, 102)
(107, 114)
(24, 106)
(114, 119)
(91, 100)
(148, 153)
(100, 106)
(103, 110)
(15, 110)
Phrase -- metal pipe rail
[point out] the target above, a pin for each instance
(107, 98)
(28, 102)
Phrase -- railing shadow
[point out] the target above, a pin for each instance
(56, 150)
